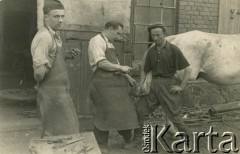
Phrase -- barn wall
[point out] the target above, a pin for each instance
(91, 13)
(198, 15)
(96, 12)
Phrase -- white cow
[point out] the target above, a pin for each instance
(213, 57)
(218, 56)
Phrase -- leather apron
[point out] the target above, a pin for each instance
(56, 105)
(113, 109)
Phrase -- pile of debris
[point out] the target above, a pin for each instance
(227, 112)
(83, 143)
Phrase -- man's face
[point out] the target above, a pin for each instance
(157, 35)
(115, 33)
(55, 18)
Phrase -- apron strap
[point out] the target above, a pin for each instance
(108, 47)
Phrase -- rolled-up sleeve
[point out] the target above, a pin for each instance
(40, 50)
(96, 50)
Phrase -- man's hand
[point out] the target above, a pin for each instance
(39, 72)
(131, 81)
(125, 69)
(176, 89)
(72, 54)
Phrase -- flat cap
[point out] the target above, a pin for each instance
(52, 5)
(156, 25)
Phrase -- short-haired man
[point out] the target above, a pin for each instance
(113, 109)
(163, 60)
(50, 71)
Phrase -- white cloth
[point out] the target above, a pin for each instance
(96, 50)
(43, 48)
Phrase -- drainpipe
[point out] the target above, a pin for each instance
(1, 30)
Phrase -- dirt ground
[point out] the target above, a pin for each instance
(17, 130)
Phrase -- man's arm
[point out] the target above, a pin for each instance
(131, 80)
(142, 77)
(186, 77)
(108, 66)
(39, 51)
(143, 74)
(39, 73)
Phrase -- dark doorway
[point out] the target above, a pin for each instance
(20, 26)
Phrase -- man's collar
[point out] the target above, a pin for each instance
(166, 45)
(52, 32)
(163, 45)
(105, 38)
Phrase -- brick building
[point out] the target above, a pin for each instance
(214, 16)
(198, 14)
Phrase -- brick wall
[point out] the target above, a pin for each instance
(197, 15)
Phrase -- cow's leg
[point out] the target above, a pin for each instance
(202, 75)
(220, 80)
(206, 77)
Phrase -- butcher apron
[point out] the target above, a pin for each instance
(56, 105)
(113, 109)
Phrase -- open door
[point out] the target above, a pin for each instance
(19, 27)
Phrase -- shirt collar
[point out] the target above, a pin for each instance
(105, 38)
(166, 45)
(53, 33)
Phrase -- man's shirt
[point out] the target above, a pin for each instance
(96, 50)
(166, 62)
(44, 47)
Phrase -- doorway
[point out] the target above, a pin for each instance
(19, 28)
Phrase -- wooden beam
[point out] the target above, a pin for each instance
(1, 30)
(40, 23)
(224, 17)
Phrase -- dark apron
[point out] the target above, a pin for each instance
(56, 105)
(113, 109)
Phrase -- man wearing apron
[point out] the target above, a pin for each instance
(113, 109)
(50, 71)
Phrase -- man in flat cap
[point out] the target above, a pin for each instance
(163, 60)
(50, 71)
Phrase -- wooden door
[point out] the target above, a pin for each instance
(229, 17)
(146, 12)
